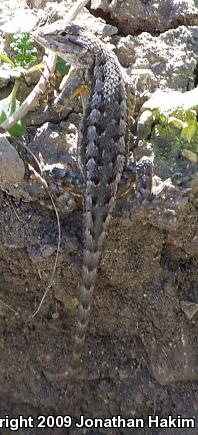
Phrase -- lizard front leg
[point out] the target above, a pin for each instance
(72, 85)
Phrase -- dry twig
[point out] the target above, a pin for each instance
(9, 307)
(45, 185)
(32, 100)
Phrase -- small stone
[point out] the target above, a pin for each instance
(71, 128)
(55, 315)
(145, 124)
(47, 251)
(12, 168)
(192, 157)
(183, 201)
(189, 309)
(22, 21)
(123, 374)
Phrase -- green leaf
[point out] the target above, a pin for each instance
(19, 128)
(163, 118)
(8, 106)
(175, 122)
(156, 115)
(191, 114)
(188, 132)
(23, 50)
(62, 67)
(6, 59)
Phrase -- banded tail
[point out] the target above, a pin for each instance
(103, 154)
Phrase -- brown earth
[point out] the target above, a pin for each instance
(141, 349)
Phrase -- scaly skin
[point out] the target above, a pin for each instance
(102, 150)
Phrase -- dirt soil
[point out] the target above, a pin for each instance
(141, 347)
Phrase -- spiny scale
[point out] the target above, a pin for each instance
(102, 146)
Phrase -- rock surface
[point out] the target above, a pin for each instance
(12, 169)
(171, 57)
(153, 16)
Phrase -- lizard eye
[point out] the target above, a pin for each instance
(63, 33)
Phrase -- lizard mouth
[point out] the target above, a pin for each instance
(68, 44)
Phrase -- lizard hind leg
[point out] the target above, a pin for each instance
(137, 175)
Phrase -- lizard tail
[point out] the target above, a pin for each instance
(103, 148)
(96, 223)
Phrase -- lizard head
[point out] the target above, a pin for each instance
(69, 41)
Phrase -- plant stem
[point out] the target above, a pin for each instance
(15, 89)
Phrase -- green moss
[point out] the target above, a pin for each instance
(172, 131)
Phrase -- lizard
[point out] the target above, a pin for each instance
(102, 150)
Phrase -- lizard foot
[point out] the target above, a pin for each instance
(66, 186)
(139, 175)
